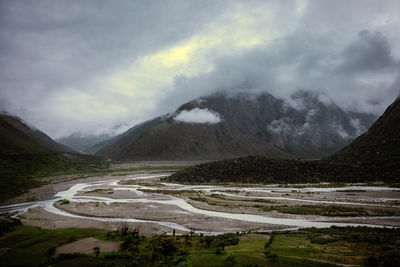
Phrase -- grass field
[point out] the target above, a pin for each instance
(30, 246)
(335, 245)
(250, 249)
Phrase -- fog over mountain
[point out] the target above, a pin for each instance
(373, 156)
(306, 125)
(92, 66)
(81, 142)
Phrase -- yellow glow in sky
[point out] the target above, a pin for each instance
(301, 6)
(176, 55)
(153, 74)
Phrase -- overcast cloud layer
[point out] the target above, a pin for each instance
(102, 66)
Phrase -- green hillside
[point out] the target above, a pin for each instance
(27, 153)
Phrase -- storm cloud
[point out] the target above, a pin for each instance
(102, 66)
(361, 75)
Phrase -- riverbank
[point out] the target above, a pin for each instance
(143, 200)
(45, 187)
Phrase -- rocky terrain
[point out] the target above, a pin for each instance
(380, 144)
(374, 156)
(306, 125)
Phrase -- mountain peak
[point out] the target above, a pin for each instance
(380, 143)
(19, 137)
(230, 125)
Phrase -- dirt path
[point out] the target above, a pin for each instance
(86, 246)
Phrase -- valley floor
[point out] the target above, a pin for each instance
(143, 201)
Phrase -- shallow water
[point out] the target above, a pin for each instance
(74, 193)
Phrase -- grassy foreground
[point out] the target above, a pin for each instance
(30, 246)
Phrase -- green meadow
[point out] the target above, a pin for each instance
(358, 246)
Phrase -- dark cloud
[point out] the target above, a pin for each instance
(370, 52)
(50, 49)
(352, 75)
(66, 41)
(54, 55)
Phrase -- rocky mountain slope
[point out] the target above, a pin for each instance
(27, 153)
(16, 137)
(380, 143)
(374, 156)
(81, 142)
(220, 126)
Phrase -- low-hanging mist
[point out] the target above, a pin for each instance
(198, 115)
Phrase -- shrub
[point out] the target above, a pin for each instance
(63, 201)
(50, 252)
(228, 260)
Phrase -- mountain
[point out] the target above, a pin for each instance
(374, 156)
(381, 143)
(114, 145)
(219, 126)
(16, 137)
(82, 142)
(27, 153)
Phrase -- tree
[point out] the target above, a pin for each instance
(96, 251)
(229, 260)
(208, 241)
(168, 247)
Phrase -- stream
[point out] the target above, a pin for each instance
(76, 192)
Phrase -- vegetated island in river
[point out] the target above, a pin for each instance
(257, 169)
(374, 156)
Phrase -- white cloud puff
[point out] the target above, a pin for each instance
(198, 115)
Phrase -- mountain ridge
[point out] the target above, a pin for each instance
(82, 142)
(378, 143)
(351, 164)
(17, 137)
(250, 125)
(27, 153)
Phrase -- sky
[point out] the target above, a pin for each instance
(103, 66)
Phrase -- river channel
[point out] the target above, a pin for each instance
(135, 201)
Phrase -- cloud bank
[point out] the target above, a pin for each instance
(101, 66)
(361, 75)
(198, 115)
